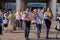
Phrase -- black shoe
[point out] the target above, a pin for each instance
(27, 38)
(56, 38)
(38, 39)
(47, 37)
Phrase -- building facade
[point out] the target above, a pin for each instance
(21, 4)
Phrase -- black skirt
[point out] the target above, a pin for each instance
(0, 30)
(5, 25)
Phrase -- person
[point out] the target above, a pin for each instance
(33, 23)
(48, 18)
(58, 25)
(11, 23)
(40, 12)
(27, 22)
(5, 24)
(20, 18)
(39, 19)
(17, 18)
(1, 24)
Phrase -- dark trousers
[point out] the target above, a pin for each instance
(20, 23)
(38, 26)
(17, 23)
(0, 30)
(27, 28)
(48, 24)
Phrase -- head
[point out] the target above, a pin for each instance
(35, 10)
(4, 10)
(9, 11)
(39, 9)
(28, 9)
(20, 10)
(49, 9)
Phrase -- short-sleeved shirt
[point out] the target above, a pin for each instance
(16, 15)
(5, 21)
(29, 14)
(20, 16)
(48, 15)
(38, 21)
(41, 15)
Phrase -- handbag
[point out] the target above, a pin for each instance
(57, 27)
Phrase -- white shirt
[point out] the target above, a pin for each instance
(20, 16)
(23, 16)
(5, 21)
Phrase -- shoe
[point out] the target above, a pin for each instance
(27, 38)
(47, 37)
(38, 39)
(56, 38)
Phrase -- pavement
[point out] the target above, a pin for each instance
(19, 34)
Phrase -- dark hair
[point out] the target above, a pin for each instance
(11, 12)
(20, 10)
(27, 7)
(40, 7)
(49, 9)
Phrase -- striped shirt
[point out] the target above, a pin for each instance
(38, 21)
(28, 14)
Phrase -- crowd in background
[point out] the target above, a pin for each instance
(10, 21)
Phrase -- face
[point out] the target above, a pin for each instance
(9, 12)
(35, 10)
(20, 10)
(27, 9)
(39, 9)
(48, 10)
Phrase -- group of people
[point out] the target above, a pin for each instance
(11, 20)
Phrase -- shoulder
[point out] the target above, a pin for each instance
(45, 13)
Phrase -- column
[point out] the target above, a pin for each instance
(53, 7)
(47, 4)
(18, 4)
(22, 6)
